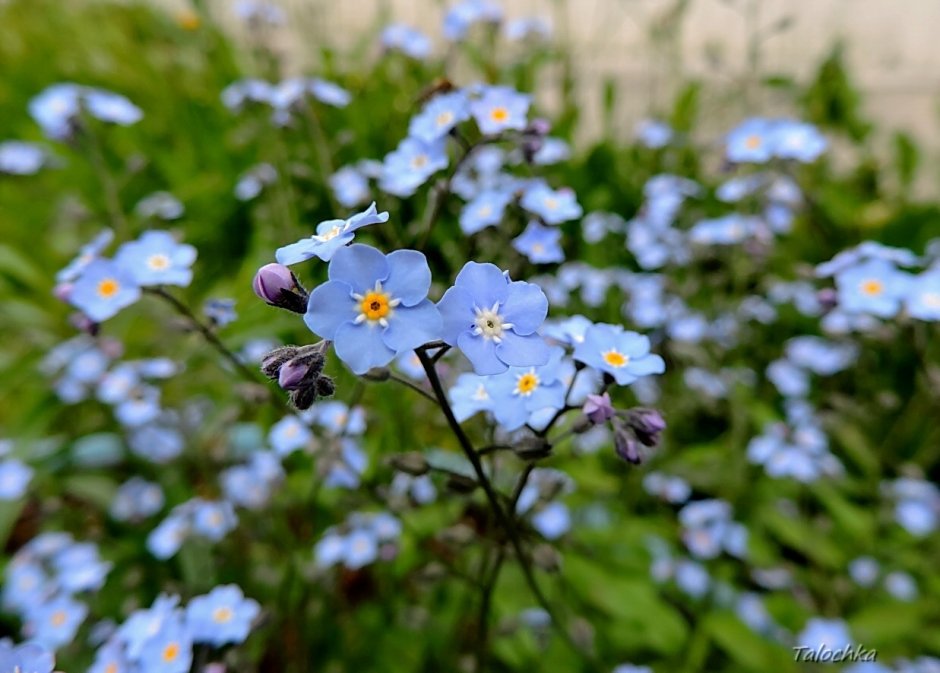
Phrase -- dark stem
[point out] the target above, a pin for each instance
(486, 602)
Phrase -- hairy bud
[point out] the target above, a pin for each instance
(278, 286)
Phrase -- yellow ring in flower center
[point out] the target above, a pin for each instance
(752, 142)
(499, 114)
(527, 383)
(158, 262)
(374, 305)
(222, 614)
(615, 358)
(872, 287)
(108, 287)
(171, 652)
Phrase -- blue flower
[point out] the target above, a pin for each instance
(213, 519)
(329, 93)
(350, 186)
(553, 206)
(156, 443)
(410, 41)
(14, 479)
(135, 499)
(162, 205)
(500, 108)
(464, 14)
(288, 435)
(534, 26)
(798, 140)
(347, 466)
(360, 549)
(830, 634)
(624, 355)
(410, 165)
(111, 658)
(170, 649)
(330, 237)
(339, 419)
(520, 392)
(552, 521)
(725, 230)
(493, 320)
(441, 114)
(25, 658)
(86, 255)
(103, 289)
(222, 616)
(167, 538)
(54, 624)
(374, 306)
(540, 244)
(485, 210)
(251, 182)
(111, 107)
(923, 296)
(875, 286)
(157, 259)
(55, 108)
(19, 158)
(469, 396)
(654, 134)
(751, 142)
(551, 151)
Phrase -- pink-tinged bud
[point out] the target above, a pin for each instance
(539, 126)
(62, 291)
(598, 408)
(277, 286)
(293, 373)
(828, 298)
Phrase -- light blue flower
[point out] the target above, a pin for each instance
(530, 26)
(923, 296)
(830, 634)
(552, 521)
(486, 209)
(375, 306)
(350, 186)
(493, 320)
(551, 151)
(54, 624)
(26, 658)
(361, 547)
(540, 244)
(469, 396)
(254, 180)
(553, 206)
(520, 392)
(798, 140)
(670, 488)
(624, 355)
(167, 538)
(140, 408)
(726, 230)
(135, 499)
(170, 649)
(55, 108)
(223, 616)
(439, 115)
(339, 419)
(103, 289)
(864, 571)
(692, 578)
(86, 255)
(500, 108)
(162, 205)
(110, 107)
(157, 259)
(654, 134)
(213, 519)
(79, 568)
(347, 467)
(288, 435)
(20, 158)
(111, 658)
(461, 16)
(410, 165)
(751, 142)
(875, 287)
(329, 93)
(330, 237)
(14, 478)
(410, 41)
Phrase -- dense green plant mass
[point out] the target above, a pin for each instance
(720, 445)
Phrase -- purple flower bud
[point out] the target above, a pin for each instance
(62, 291)
(598, 408)
(277, 286)
(828, 298)
(627, 446)
(292, 374)
(539, 126)
(647, 424)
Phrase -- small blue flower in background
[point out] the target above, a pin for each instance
(254, 180)
(630, 668)
(486, 209)
(672, 489)
(213, 519)
(726, 230)
(86, 255)
(329, 93)
(830, 634)
(361, 549)
(55, 108)
(169, 650)
(901, 586)
(222, 616)
(707, 529)
(338, 418)
(331, 236)
(552, 151)
(14, 478)
(375, 306)
(421, 489)
(751, 142)
(461, 16)
(161, 205)
(917, 506)
(103, 289)
(167, 538)
(692, 578)
(500, 108)
(864, 571)
(409, 364)
(469, 396)
(350, 186)
(137, 499)
(493, 320)
(20, 158)
(53, 624)
(520, 392)
(111, 107)
(410, 41)
(923, 296)
(653, 133)
(540, 244)
(410, 165)
(157, 259)
(552, 521)
(553, 206)
(25, 658)
(798, 140)
(364, 539)
(288, 435)
(111, 658)
(876, 287)
(624, 355)
(345, 467)
(533, 26)
(441, 114)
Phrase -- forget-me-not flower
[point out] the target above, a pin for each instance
(222, 616)
(410, 165)
(553, 206)
(540, 244)
(624, 355)
(103, 289)
(441, 114)
(500, 108)
(157, 259)
(330, 237)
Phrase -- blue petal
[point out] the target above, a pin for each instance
(330, 306)
(359, 266)
(633, 344)
(413, 326)
(361, 347)
(367, 217)
(481, 353)
(409, 277)
(651, 364)
(456, 308)
(297, 252)
(526, 307)
(523, 350)
(485, 283)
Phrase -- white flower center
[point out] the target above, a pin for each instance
(158, 262)
(481, 394)
(489, 323)
(445, 118)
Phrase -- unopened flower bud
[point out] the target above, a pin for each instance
(278, 286)
(292, 374)
(626, 444)
(828, 298)
(647, 424)
(532, 448)
(274, 360)
(62, 291)
(598, 408)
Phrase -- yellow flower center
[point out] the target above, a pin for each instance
(158, 262)
(171, 652)
(187, 20)
(58, 618)
(752, 142)
(111, 668)
(108, 287)
(374, 305)
(551, 202)
(331, 234)
(615, 358)
(527, 383)
(872, 287)
(499, 114)
(445, 118)
(223, 614)
(419, 161)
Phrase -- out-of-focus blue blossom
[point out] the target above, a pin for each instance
(213, 519)
(375, 306)
(740, 186)
(251, 485)
(750, 609)
(169, 650)
(864, 571)
(103, 289)
(330, 237)
(552, 521)
(540, 244)
(493, 320)
(875, 287)
(462, 15)
(469, 396)
(139, 408)
(597, 224)
(917, 505)
(410, 165)
(551, 151)
(15, 476)
(800, 452)
(520, 392)
(866, 251)
(420, 489)
(624, 355)
(157, 259)
(350, 186)
(923, 296)
(220, 312)
(54, 624)
(486, 209)
(111, 107)
(254, 180)
(25, 658)
(751, 142)
(345, 466)
(79, 567)
(55, 108)
(757, 140)
(361, 549)
(410, 41)
(630, 668)
(338, 418)
(675, 490)
(531, 26)
(901, 586)
(87, 254)
(788, 378)
(409, 364)
(553, 206)
(830, 634)
(726, 230)
(707, 529)
(821, 356)
(329, 93)
(500, 108)
(221, 617)
(439, 115)
(162, 205)
(798, 140)
(362, 540)
(21, 158)
(692, 578)
(801, 294)
(137, 499)
(288, 435)
(167, 538)
(654, 134)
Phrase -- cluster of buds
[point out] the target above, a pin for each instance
(299, 370)
(636, 430)
(533, 137)
(278, 286)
